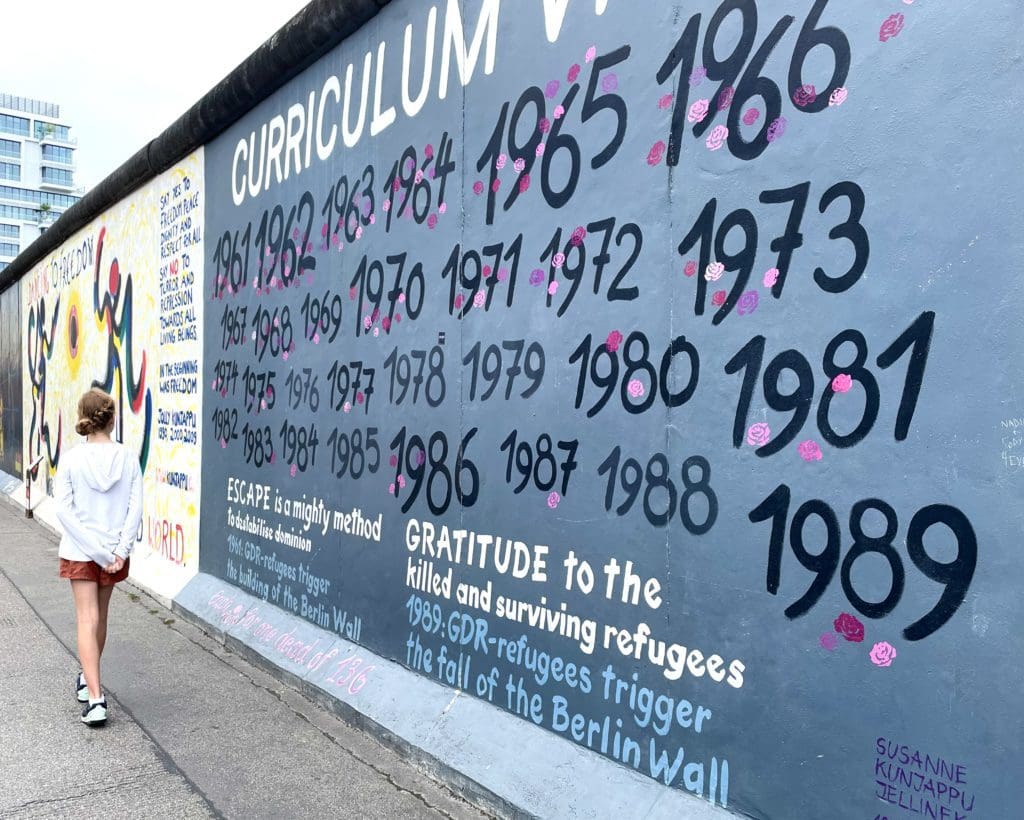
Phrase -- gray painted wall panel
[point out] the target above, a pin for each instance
(926, 135)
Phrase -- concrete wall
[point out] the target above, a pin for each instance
(10, 382)
(639, 371)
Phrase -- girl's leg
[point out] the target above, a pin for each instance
(87, 614)
(104, 608)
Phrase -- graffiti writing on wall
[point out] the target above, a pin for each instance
(594, 387)
(123, 317)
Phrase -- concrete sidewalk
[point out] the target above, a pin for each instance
(194, 731)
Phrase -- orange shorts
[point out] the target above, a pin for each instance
(91, 571)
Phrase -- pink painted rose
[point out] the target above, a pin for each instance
(697, 75)
(544, 125)
(428, 151)
(613, 341)
(292, 471)
(805, 95)
(479, 299)
(551, 89)
(553, 499)
(750, 116)
(759, 434)
(519, 165)
(609, 83)
(536, 276)
(459, 299)
(809, 450)
(401, 481)
(698, 111)
(882, 653)
(725, 100)
(574, 72)
(718, 298)
(347, 408)
(635, 388)
(776, 129)
(432, 221)
(552, 288)
(771, 276)
(391, 488)
(849, 627)
(386, 323)
(665, 102)
(838, 97)
(558, 260)
(442, 208)
(828, 641)
(842, 383)
(559, 112)
(578, 235)
(716, 139)
(690, 269)
(747, 303)
(499, 163)
(656, 153)
(494, 187)
(891, 26)
(591, 54)
(419, 175)
(478, 188)
(540, 149)
(524, 183)
(714, 271)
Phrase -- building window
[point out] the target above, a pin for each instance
(10, 170)
(10, 148)
(58, 176)
(17, 212)
(38, 197)
(8, 249)
(56, 153)
(3, 265)
(10, 231)
(50, 130)
(14, 125)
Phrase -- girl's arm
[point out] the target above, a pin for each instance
(133, 517)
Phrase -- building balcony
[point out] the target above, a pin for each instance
(62, 187)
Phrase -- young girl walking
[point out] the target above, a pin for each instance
(99, 505)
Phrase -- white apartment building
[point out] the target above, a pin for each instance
(37, 161)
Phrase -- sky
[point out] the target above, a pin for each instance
(122, 72)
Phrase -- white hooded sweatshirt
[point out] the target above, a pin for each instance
(99, 502)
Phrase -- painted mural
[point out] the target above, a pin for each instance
(119, 306)
(10, 382)
(642, 370)
(597, 360)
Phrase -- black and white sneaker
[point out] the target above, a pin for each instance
(95, 714)
(81, 690)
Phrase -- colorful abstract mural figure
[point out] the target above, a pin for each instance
(113, 306)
